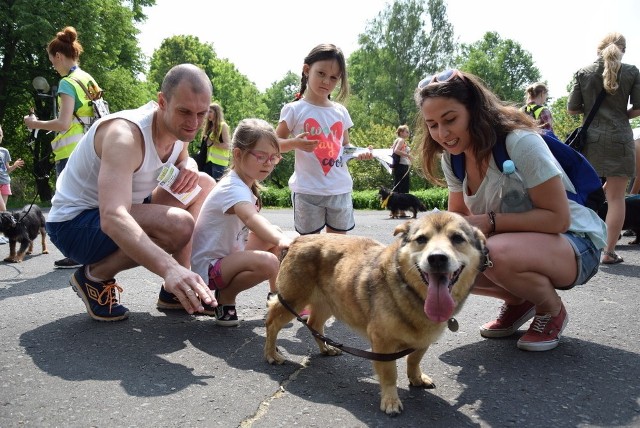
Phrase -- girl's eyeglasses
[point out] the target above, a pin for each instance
(263, 157)
(442, 77)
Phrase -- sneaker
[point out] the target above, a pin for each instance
(269, 294)
(304, 314)
(169, 302)
(100, 298)
(66, 263)
(509, 321)
(544, 332)
(3, 240)
(226, 316)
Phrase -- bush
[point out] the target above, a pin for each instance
(435, 197)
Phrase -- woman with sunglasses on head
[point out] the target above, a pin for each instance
(234, 247)
(460, 115)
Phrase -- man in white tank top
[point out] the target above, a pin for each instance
(109, 213)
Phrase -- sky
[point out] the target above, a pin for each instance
(265, 39)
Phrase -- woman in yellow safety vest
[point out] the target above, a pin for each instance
(217, 135)
(73, 104)
(74, 108)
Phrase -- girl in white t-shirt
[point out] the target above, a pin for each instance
(234, 247)
(321, 184)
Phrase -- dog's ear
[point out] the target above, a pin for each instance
(402, 228)
(480, 242)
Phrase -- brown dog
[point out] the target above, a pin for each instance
(21, 228)
(399, 297)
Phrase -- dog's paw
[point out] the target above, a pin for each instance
(274, 357)
(423, 381)
(330, 350)
(391, 405)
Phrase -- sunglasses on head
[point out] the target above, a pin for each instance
(442, 77)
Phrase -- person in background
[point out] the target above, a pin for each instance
(6, 167)
(459, 115)
(609, 147)
(401, 177)
(234, 247)
(535, 98)
(109, 212)
(64, 52)
(216, 134)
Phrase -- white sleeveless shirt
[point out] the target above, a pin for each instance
(77, 186)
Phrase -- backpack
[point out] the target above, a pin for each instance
(99, 104)
(578, 169)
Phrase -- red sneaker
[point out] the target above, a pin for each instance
(509, 321)
(544, 332)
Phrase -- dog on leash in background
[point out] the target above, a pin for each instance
(400, 202)
(631, 216)
(22, 227)
(399, 297)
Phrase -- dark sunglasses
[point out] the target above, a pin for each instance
(442, 77)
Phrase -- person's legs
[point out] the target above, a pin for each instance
(635, 188)
(615, 191)
(243, 270)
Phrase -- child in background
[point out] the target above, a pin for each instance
(234, 247)
(5, 181)
(6, 168)
(321, 184)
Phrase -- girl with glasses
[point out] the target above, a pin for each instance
(555, 245)
(234, 247)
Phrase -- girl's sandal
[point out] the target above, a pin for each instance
(613, 258)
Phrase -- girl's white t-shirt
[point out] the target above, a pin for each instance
(535, 164)
(216, 233)
(322, 172)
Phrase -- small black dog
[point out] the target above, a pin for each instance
(631, 216)
(397, 202)
(23, 227)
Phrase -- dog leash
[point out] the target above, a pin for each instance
(353, 351)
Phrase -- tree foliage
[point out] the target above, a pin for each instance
(106, 29)
(395, 51)
(505, 67)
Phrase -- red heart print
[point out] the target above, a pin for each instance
(328, 148)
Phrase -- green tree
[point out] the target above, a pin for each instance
(106, 29)
(279, 94)
(504, 66)
(395, 53)
(238, 96)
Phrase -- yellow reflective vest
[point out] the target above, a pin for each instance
(64, 143)
(216, 154)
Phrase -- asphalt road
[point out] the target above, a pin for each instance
(60, 368)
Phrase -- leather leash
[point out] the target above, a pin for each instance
(353, 351)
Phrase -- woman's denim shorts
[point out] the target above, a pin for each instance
(587, 257)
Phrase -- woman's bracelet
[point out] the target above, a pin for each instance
(492, 222)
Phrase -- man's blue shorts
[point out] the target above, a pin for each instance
(81, 238)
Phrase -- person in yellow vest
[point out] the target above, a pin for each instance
(217, 134)
(73, 105)
(535, 98)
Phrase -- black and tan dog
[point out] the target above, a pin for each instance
(23, 227)
(400, 202)
(631, 216)
(399, 296)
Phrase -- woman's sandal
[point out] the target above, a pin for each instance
(614, 258)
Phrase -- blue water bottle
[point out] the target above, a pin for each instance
(513, 193)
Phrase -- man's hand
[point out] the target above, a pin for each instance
(189, 288)
(186, 181)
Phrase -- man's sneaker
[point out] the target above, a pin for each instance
(66, 263)
(509, 321)
(169, 302)
(544, 332)
(226, 316)
(99, 297)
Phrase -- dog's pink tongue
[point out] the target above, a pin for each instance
(439, 304)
